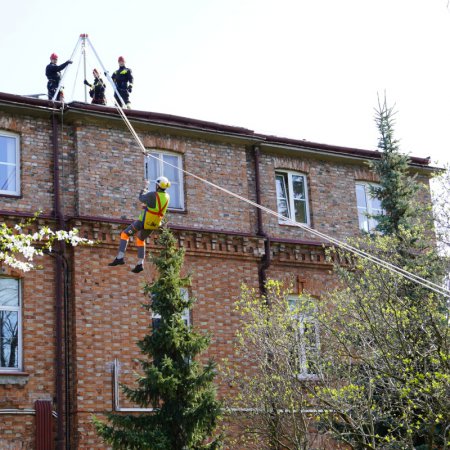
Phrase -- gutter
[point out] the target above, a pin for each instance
(59, 300)
(266, 259)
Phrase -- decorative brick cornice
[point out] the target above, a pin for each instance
(299, 254)
(202, 242)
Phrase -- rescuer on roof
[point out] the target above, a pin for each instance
(97, 89)
(123, 78)
(53, 74)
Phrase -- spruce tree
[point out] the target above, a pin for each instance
(387, 339)
(397, 189)
(174, 382)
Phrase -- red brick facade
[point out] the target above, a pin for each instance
(101, 171)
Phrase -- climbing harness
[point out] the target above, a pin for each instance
(153, 216)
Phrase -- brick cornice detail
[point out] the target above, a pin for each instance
(197, 242)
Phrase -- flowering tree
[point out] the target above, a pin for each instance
(19, 248)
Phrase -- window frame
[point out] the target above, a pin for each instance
(368, 210)
(18, 309)
(302, 320)
(186, 315)
(290, 197)
(160, 172)
(16, 192)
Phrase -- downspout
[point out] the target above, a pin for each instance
(59, 292)
(266, 259)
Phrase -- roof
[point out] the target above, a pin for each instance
(202, 125)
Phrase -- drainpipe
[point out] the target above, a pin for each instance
(265, 261)
(59, 292)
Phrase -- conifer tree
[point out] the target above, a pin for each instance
(174, 382)
(397, 189)
(384, 367)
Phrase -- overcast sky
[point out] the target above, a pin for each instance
(304, 69)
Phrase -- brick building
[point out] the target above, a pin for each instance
(69, 328)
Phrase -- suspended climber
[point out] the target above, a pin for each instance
(53, 74)
(97, 89)
(150, 219)
(123, 79)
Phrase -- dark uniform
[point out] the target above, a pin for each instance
(52, 72)
(123, 78)
(97, 91)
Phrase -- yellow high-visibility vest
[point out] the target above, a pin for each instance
(153, 216)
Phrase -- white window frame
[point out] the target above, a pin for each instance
(160, 172)
(303, 320)
(18, 310)
(16, 191)
(368, 209)
(290, 190)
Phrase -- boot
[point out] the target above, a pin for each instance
(117, 262)
(138, 268)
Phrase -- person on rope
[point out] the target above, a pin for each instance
(53, 74)
(150, 219)
(97, 89)
(123, 79)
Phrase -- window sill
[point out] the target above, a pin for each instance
(20, 378)
(288, 224)
(178, 211)
(4, 194)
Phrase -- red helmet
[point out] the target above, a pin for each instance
(53, 56)
(121, 58)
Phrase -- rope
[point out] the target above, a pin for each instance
(412, 277)
(385, 264)
(65, 71)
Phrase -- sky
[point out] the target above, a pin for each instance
(302, 69)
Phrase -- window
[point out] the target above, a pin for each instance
(156, 318)
(155, 168)
(307, 336)
(292, 196)
(10, 325)
(367, 206)
(9, 164)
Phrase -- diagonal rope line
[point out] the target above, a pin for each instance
(415, 278)
(387, 265)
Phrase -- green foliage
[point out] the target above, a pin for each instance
(397, 190)
(174, 382)
(384, 369)
(268, 373)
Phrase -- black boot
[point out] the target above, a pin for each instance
(138, 268)
(117, 262)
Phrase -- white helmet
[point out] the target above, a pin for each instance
(163, 183)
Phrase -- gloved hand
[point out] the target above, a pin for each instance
(86, 82)
(70, 62)
(130, 88)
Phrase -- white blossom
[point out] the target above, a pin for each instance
(19, 249)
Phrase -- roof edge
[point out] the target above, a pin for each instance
(185, 122)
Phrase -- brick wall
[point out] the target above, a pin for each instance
(102, 171)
